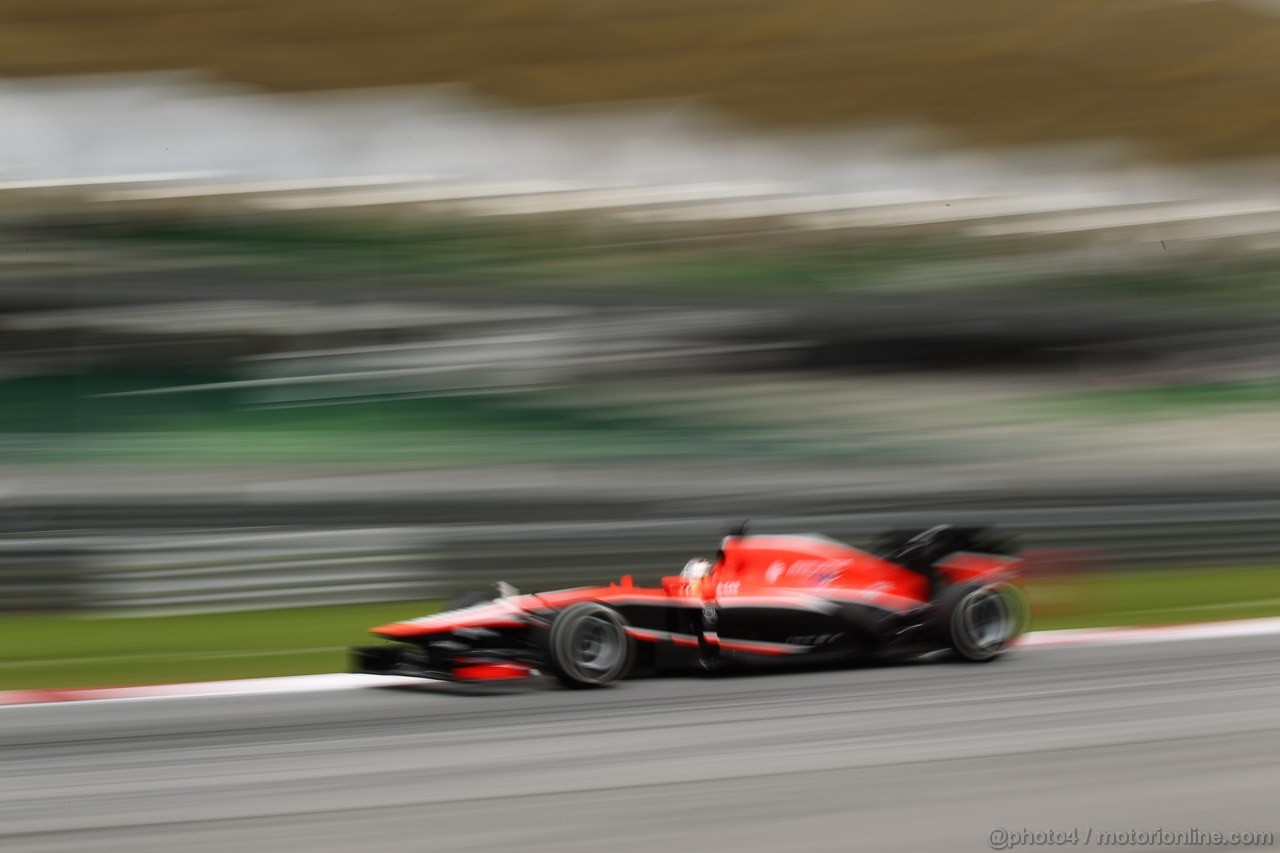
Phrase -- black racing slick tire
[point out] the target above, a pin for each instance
(588, 646)
(977, 622)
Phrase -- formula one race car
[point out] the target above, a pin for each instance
(762, 599)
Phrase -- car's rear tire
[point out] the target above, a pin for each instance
(588, 646)
(976, 622)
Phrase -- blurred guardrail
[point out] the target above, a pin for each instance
(215, 570)
(247, 569)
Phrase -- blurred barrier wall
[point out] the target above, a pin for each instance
(237, 570)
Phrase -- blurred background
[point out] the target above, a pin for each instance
(313, 313)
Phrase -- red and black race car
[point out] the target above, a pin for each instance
(763, 599)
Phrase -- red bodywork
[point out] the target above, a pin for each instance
(759, 589)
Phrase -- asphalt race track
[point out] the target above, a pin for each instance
(1172, 735)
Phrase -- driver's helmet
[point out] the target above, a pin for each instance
(695, 570)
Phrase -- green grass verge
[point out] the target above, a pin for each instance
(68, 651)
(1154, 597)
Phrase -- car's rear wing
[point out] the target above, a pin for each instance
(924, 548)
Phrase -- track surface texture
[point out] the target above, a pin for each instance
(895, 758)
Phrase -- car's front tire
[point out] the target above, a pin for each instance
(588, 646)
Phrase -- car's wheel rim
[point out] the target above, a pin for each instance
(985, 621)
(597, 647)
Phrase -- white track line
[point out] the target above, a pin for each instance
(347, 681)
(243, 687)
(1152, 634)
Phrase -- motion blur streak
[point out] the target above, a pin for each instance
(316, 315)
(1115, 738)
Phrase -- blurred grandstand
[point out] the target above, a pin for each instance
(545, 261)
